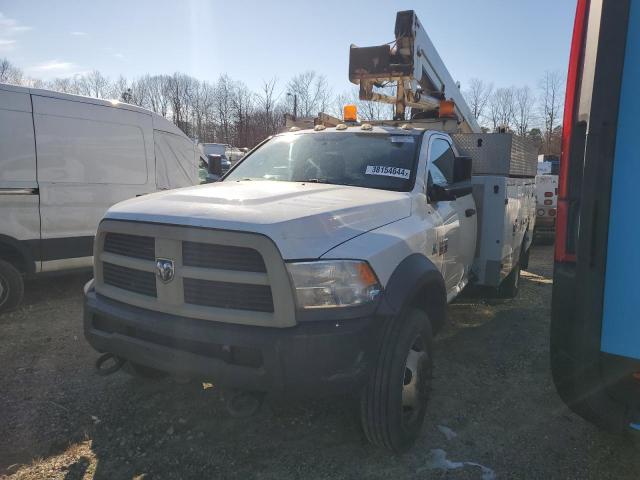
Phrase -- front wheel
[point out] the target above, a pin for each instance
(394, 402)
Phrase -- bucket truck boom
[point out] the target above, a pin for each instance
(413, 66)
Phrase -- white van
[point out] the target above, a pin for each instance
(64, 160)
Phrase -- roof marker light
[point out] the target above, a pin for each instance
(341, 126)
(366, 126)
(319, 128)
(294, 129)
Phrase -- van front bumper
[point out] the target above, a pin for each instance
(326, 356)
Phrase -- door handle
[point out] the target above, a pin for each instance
(470, 212)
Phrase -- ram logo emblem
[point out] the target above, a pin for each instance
(165, 269)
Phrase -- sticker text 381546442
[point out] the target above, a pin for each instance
(388, 171)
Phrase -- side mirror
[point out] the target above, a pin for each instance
(438, 193)
(462, 167)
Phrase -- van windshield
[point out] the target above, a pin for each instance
(370, 160)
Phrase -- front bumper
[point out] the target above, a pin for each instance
(312, 357)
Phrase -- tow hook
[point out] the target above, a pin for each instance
(242, 403)
(104, 370)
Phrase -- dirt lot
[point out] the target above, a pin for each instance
(494, 412)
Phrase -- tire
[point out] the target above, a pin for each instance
(394, 402)
(142, 371)
(511, 284)
(11, 287)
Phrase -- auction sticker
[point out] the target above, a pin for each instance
(388, 171)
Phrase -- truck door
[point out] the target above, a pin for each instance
(19, 200)
(440, 172)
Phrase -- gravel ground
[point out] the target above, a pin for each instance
(494, 411)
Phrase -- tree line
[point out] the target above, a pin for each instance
(522, 110)
(227, 111)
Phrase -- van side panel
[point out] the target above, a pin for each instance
(19, 201)
(89, 158)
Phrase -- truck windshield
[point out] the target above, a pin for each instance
(370, 160)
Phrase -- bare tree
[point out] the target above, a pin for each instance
(9, 73)
(551, 103)
(477, 96)
(502, 107)
(158, 98)
(94, 84)
(312, 92)
(524, 110)
(224, 107)
(243, 105)
(267, 103)
(120, 90)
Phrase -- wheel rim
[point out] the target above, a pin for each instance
(4, 291)
(416, 382)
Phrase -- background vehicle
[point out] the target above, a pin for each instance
(546, 196)
(323, 262)
(595, 333)
(64, 160)
(218, 149)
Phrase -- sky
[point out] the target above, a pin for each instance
(499, 41)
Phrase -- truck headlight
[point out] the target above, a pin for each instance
(333, 283)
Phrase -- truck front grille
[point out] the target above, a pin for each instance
(225, 257)
(130, 279)
(217, 275)
(135, 246)
(237, 296)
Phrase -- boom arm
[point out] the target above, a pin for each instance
(421, 79)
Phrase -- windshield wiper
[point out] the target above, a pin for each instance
(316, 180)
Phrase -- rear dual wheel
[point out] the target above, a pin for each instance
(394, 402)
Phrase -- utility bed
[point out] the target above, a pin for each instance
(504, 168)
(506, 217)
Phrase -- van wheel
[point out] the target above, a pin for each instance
(511, 284)
(11, 287)
(394, 401)
(142, 371)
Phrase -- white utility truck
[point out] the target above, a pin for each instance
(324, 260)
(65, 159)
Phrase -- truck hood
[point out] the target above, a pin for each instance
(305, 220)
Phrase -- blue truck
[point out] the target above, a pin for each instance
(595, 327)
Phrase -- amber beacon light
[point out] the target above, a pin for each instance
(350, 113)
